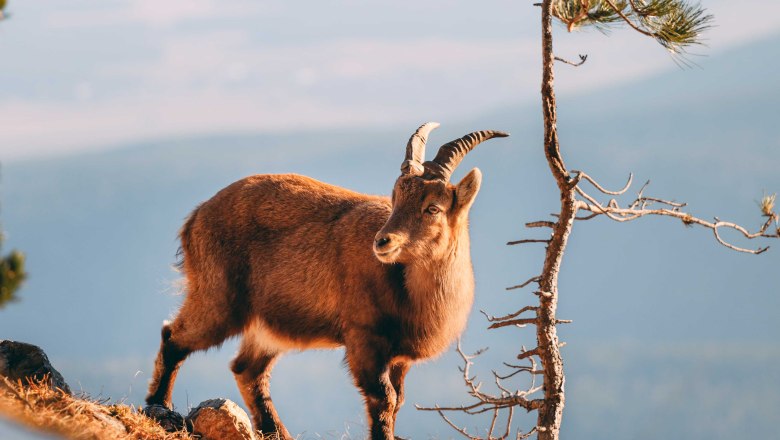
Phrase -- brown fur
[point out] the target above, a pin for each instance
(293, 263)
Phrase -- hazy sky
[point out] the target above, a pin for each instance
(666, 319)
(94, 73)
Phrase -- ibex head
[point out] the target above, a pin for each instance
(429, 211)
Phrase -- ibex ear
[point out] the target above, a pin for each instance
(467, 189)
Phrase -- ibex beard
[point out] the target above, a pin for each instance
(289, 263)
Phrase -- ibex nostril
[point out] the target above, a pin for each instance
(381, 242)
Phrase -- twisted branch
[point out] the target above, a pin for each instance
(583, 58)
(535, 279)
(485, 402)
(643, 206)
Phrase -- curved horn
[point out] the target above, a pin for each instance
(415, 149)
(450, 154)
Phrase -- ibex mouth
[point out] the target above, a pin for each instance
(387, 256)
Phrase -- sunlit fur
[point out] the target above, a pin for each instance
(289, 263)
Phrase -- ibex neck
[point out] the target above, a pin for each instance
(447, 283)
(431, 273)
(440, 294)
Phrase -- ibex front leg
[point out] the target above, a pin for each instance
(397, 374)
(368, 358)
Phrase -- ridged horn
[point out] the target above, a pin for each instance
(415, 150)
(452, 153)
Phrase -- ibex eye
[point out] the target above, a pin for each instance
(433, 209)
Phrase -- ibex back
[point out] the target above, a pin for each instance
(291, 263)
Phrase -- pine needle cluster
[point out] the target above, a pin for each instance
(11, 275)
(767, 205)
(674, 24)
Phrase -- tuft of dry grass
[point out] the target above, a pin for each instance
(42, 408)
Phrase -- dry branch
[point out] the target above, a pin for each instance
(528, 240)
(507, 400)
(509, 316)
(643, 206)
(535, 279)
(583, 58)
(540, 224)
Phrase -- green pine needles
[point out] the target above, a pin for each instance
(675, 24)
(11, 275)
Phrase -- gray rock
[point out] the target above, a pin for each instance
(220, 419)
(21, 361)
(105, 418)
(170, 420)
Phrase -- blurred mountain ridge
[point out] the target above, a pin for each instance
(99, 230)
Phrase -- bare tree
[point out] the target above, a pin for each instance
(676, 25)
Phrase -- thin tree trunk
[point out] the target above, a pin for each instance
(551, 412)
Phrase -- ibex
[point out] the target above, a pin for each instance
(292, 263)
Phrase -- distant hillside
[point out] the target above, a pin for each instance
(665, 320)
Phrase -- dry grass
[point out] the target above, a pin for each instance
(41, 408)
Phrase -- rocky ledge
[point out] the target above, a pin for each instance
(25, 365)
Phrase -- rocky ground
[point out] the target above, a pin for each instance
(34, 394)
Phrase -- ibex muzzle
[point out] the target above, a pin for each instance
(292, 263)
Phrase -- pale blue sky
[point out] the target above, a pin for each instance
(89, 74)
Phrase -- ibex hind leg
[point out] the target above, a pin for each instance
(253, 374)
(189, 332)
(166, 367)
